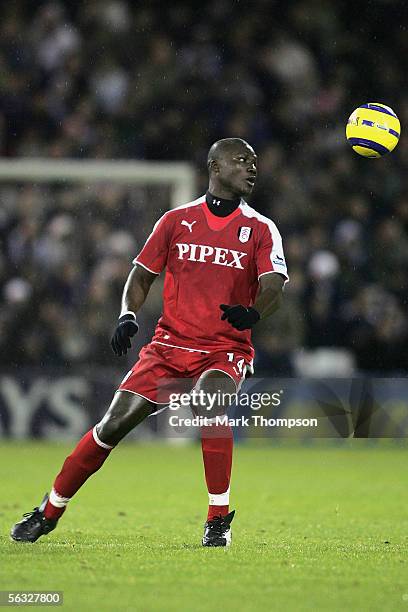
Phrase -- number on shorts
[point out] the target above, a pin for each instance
(240, 363)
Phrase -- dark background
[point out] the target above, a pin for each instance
(116, 79)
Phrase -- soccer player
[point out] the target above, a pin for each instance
(225, 270)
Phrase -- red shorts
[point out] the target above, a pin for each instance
(163, 370)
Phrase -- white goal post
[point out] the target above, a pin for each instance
(180, 176)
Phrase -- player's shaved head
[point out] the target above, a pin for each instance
(224, 147)
(232, 168)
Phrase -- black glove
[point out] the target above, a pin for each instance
(127, 327)
(240, 317)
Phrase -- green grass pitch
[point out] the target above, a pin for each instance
(318, 527)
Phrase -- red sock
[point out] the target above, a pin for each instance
(86, 458)
(217, 443)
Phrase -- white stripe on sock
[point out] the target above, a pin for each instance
(219, 499)
(57, 500)
(98, 441)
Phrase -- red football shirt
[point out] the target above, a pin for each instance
(210, 261)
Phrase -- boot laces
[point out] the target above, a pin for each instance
(28, 515)
(217, 525)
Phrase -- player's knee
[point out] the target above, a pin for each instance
(125, 412)
(110, 431)
(215, 393)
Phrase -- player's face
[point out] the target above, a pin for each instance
(238, 170)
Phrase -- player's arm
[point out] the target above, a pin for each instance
(268, 301)
(272, 274)
(134, 295)
(270, 295)
(136, 289)
(150, 262)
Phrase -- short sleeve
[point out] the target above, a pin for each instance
(153, 255)
(270, 256)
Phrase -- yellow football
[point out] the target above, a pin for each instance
(373, 130)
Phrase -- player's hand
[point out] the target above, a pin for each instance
(240, 317)
(126, 329)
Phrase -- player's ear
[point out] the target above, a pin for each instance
(213, 166)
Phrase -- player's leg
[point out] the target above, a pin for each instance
(217, 446)
(217, 442)
(125, 412)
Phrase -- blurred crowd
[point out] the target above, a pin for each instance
(115, 79)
